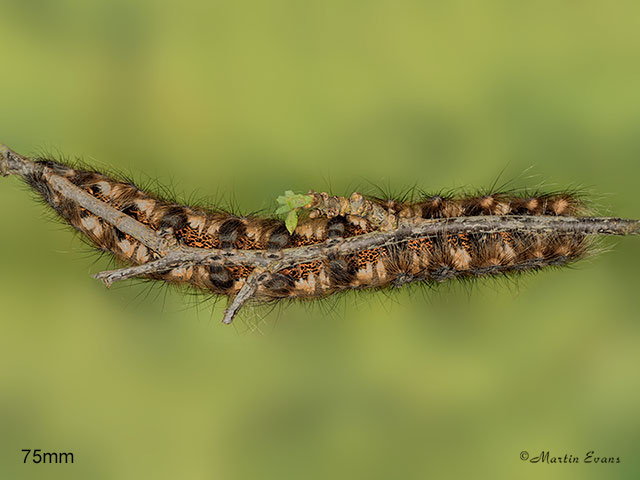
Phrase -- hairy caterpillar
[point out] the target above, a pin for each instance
(343, 243)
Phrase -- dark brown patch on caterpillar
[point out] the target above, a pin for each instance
(342, 271)
(221, 279)
(230, 233)
(277, 237)
(336, 227)
(174, 218)
(279, 285)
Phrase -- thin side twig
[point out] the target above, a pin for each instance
(12, 163)
(244, 295)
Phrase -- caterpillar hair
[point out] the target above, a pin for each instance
(338, 244)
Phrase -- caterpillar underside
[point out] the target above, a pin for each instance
(426, 258)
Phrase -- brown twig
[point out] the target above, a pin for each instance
(247, 291)
(407, 229)
(12, 163)
(390, 230)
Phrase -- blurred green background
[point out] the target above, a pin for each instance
(239, 101)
